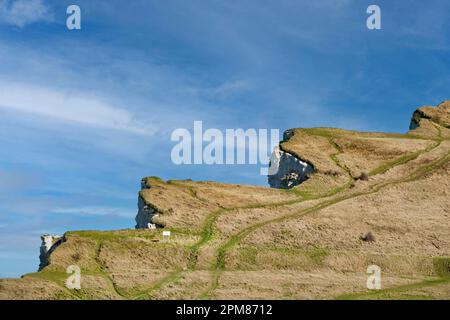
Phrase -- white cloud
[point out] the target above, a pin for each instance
(24, 12)
(97, 211)
(75, 108)
(230, 87)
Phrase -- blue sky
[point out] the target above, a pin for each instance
(85, 114)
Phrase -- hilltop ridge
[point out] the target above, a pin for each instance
(306, 238)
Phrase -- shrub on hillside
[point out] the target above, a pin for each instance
(368, 237)
(363, 176)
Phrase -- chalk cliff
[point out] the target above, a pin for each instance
(49, 243)
(286, 171)
(343, 200)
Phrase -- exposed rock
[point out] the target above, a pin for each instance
(144, 184)
(439, 115)
(288, 134)
(286, 170)
(417, 192)
(146, 213)
(49, 243)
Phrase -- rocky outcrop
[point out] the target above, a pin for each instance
(146, 212)
(439, 115)
(49, 243)
(285, 170)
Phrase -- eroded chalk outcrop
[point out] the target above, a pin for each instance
(439, 115)
(146, 212)
(286, 170)
(48, 245)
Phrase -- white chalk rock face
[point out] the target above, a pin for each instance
(49, 243)
(286, 171)
(145, 215)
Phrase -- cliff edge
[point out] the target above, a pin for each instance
(342, 201)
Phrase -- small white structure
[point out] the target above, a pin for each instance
(151, 226)
(166, 236)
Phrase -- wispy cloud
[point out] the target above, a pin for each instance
(16, 180)
(75, 108)
(97, 211)
(78, 111)
(24, 12)
(230, 87)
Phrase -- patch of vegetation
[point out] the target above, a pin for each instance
(442, 266)
(59, 277)
(390, 164)
(316, 194)
(322, 132)
(154, 178)
(317, 255)
(205, 236)
(442, 269)
(115, 235)
(249, 254)
(400, 292)
(147, 294)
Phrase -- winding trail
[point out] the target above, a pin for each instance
(219, 265)
(395, 290)
(105, 274)
(332, 197)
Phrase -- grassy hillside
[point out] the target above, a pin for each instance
(235, 242)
